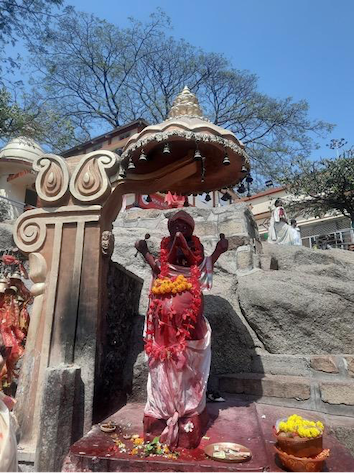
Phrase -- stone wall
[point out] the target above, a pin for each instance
(322, 383)
(122, 310)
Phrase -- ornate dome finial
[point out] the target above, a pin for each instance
(186, 104)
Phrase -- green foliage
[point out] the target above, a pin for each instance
(323, 186)
(17, 20)
(33, 119)
(13, 120)
(24, 113)
(100, 76)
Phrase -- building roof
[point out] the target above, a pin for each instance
(271, 191)
(110, 134)
(21, 149)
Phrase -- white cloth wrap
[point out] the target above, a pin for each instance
(8, 444)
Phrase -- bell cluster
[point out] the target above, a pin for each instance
(241, 189)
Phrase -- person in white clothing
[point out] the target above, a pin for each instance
(280, 231)
(295, 232)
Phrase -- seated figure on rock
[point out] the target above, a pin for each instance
(280, 231)
(177, 335)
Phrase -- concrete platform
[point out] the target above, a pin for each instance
(232, 421)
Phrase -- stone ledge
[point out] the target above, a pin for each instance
(327, 364)
(289, 387)
(337, 393)
(274, 364)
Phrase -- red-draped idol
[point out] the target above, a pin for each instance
(177, 336)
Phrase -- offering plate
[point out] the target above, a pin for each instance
(228, 452)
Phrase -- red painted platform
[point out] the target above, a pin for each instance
(232, 421)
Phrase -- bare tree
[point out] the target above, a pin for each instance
(100, 76)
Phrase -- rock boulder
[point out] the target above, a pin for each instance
(304, 307)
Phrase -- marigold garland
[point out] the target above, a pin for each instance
(166, 287)
(174, 285)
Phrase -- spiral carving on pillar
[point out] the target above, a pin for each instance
(52, 181)
(90, 181)
(30, 232)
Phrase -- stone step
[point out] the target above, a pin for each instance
(307, 365)
(333, 396)
(257, 384)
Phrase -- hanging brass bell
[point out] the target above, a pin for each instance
(131, 165)
(143, 157)
(226, 160)
(197, 155)
(166, 149)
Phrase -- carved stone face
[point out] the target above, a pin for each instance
(107, 243)
(180, 226)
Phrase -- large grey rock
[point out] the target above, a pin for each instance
(304, 307)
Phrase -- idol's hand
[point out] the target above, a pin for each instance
(141, 246)
(223, 244)
(181, 241)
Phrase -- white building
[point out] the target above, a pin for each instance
(16, 177)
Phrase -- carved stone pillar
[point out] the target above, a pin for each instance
(66, 264)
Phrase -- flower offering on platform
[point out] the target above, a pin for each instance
(296, 425)
(299, 443)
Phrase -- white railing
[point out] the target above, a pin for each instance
(342, 239)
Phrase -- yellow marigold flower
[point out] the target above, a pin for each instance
(301, 431)
(134, 451)
(320, 425)
(138, 441)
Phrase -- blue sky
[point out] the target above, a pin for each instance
(298, 48)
